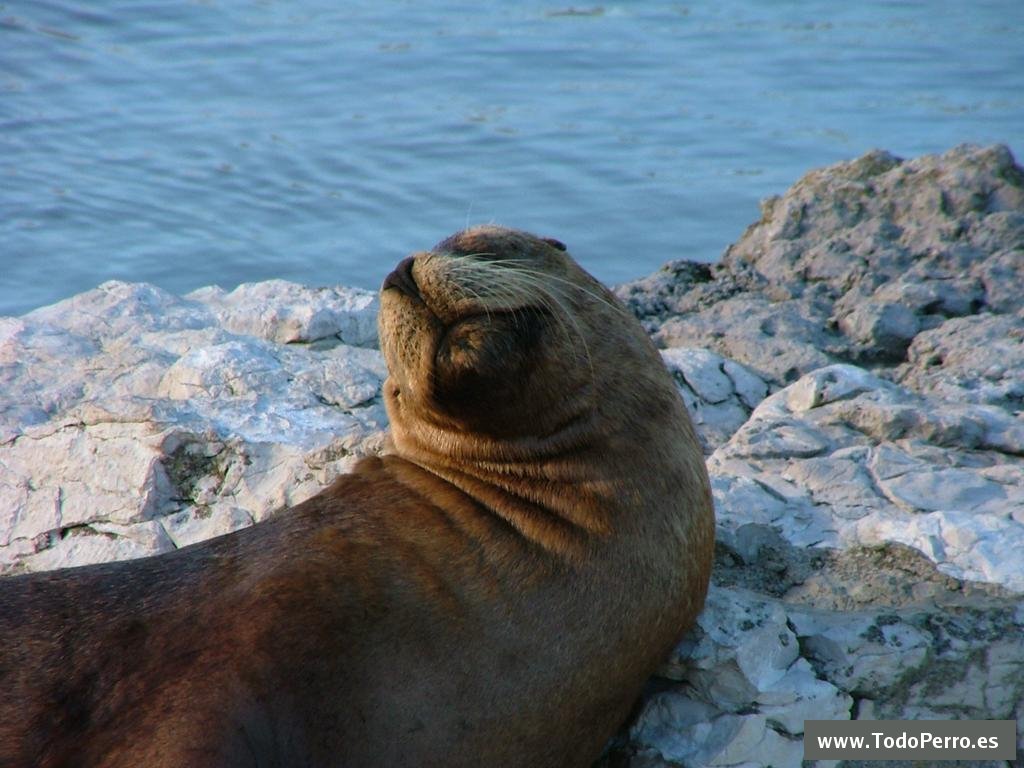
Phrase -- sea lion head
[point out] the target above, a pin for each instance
(496, 336)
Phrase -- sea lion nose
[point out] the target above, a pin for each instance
(401, 278)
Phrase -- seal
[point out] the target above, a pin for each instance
(492, 590)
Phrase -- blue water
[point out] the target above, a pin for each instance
(221, 141)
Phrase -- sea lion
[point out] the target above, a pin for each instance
(494, 590)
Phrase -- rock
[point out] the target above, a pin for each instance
(779, 341)
(853, 264)
(58, 478)
(977, 359)
(756, 668)
(719, 393)
(284, 312)
(964, 662)
(134, 421)
(853, 460)
(98, 542)
(860, 225)
(884, 328)
(657, 293)
(684, 735)
(745, 656)
(196, 524)
(871, 512)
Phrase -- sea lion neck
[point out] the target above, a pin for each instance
(553, 494)
(565, 491)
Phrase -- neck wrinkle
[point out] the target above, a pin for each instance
(445, 444)
(552, 517)
(560, 502)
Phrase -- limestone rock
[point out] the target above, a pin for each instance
(870, 512)
(285, 312)
(682, 734)
(719, 393)
(848, 459)
(133, 421)
(853, 264)
(976, 359)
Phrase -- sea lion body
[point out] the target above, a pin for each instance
(493, 591)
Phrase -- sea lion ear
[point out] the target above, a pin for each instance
(554, 243)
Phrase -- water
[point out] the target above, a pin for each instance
(222, 141)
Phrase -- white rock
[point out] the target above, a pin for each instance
(695, 736)
(745, 658)
(193, 525)
(102, 389)
(800, 695)
(933, 489)
(284, 312)
(718, 392)
(828, 385)
(78, 475)
(750, 387)
(856, 652)
(886, 326)
(99, 543)
(702, 371)
(915, 265)
(852, 460)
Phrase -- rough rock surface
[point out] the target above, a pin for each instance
(876, 261)
(855, 367)
(133, 421)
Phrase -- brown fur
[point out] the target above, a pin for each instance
(493, 592)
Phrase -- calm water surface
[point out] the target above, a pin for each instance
(222, 141)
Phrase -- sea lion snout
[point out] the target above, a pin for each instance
(401, 278)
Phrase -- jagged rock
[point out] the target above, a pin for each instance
(744, 656)
(843, 458)
(134, 421)
(719, 393)
(284, 312)
(755, 668)
(963, 661)
(658, 293)
(852, 264)
(977, 359)
(97, 542)
(874, 515)
(864, 224)
(886, 328)
(778, 340)
(680, 732)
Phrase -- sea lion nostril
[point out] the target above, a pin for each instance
(401, 278)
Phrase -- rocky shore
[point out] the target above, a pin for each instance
(855, 365)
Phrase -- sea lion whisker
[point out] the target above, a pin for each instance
(528, 268)
(551, 301)
(479, 299)
(595, 296)
(502, 294)
(526, 284)
(509, 291)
